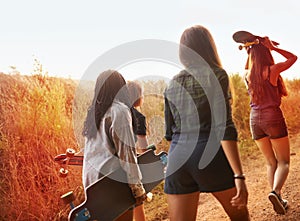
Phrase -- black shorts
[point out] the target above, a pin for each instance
(188, 178)
(267, 123)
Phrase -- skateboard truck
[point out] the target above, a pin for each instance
(63, 172)
(68, 198)
(247, 44)
(82, 215)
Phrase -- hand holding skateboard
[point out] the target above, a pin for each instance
(268, 43)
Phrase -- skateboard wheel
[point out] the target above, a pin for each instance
(63, 172)
(149, 197)
(68, 197)
(70, 152)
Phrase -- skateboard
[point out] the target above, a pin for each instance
(108, 198)
(247, 39)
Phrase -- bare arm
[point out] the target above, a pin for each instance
(269, 44)
(290, 60)
(142, 143)
(277, 68)
(232, 154)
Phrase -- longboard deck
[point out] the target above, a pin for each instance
(246, 37)
(243, 37)
(108, 198)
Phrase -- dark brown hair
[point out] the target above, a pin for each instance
(199, 40)
(261, 58)
(110, 85)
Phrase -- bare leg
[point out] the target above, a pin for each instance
(139, 214)
(281, 147)
(235, 214)
(183, 206)
(265, 146)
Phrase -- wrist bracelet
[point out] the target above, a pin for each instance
(240, 176)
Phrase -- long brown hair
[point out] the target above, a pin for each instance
(110, 85)
(200, 40)
(260, 58)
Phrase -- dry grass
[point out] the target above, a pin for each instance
(240, 106)
(35, 126)
(291, 106)
(36, 123)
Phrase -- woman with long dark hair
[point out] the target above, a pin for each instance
(109, 136)
(267, 123)
(203, 155)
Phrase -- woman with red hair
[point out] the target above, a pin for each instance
(267, 123)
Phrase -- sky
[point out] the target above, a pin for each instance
(67, 36)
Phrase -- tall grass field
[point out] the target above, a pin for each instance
(39, 118)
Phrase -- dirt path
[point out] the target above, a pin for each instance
(259, 206)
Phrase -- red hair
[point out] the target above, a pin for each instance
(261, 57)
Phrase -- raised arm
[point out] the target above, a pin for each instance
(279, 67)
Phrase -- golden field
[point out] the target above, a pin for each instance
(37, 122)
